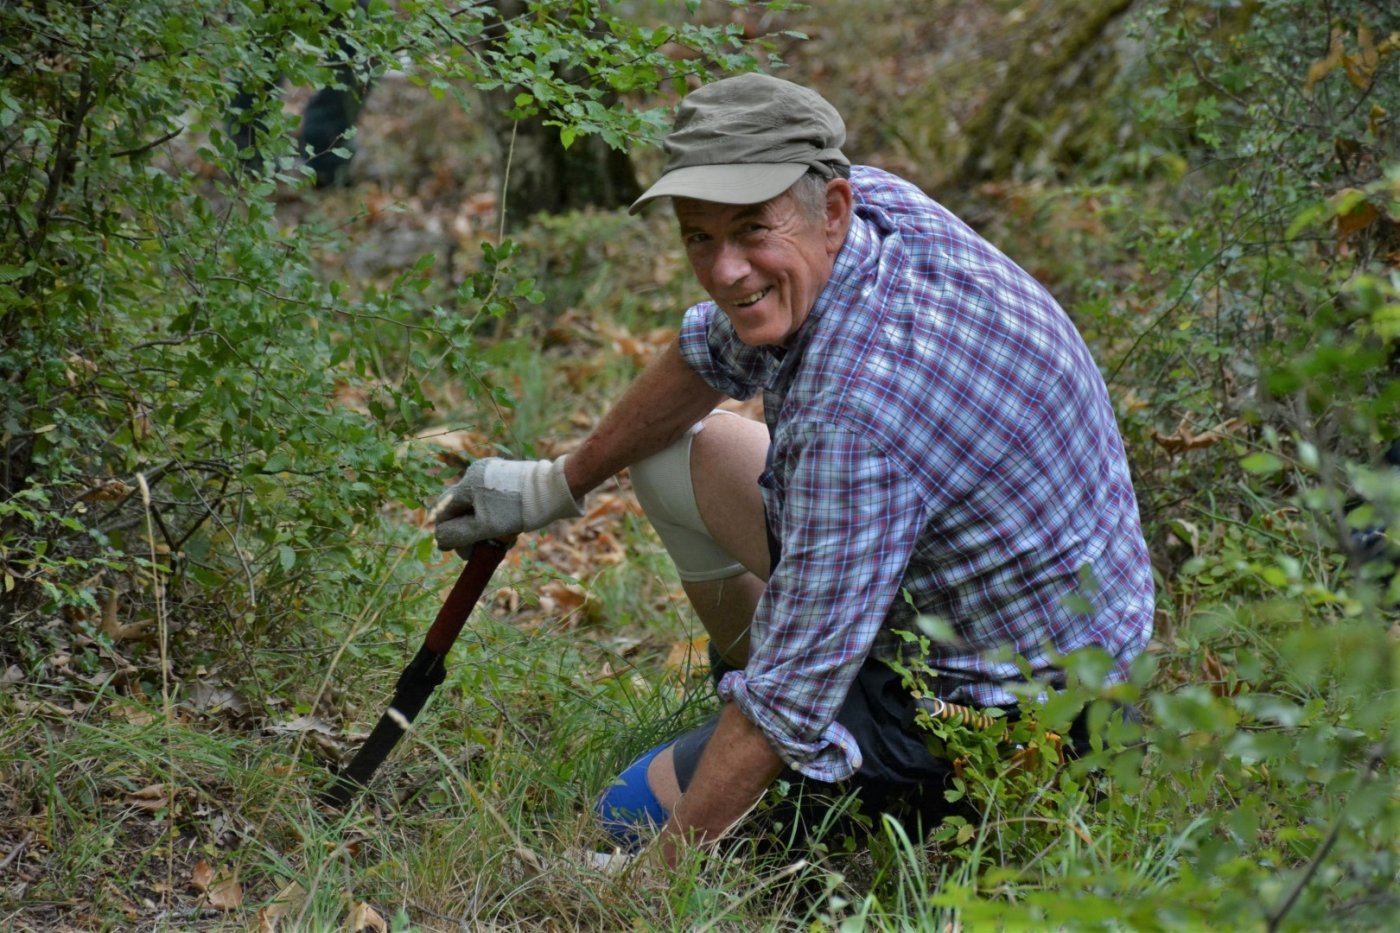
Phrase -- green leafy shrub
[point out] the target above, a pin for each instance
(1239, 294)
(159, 320)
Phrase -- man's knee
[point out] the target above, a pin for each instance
(666, 491)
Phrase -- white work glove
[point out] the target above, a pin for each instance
(500, 498)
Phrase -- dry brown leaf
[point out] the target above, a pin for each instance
(456, 442)
(481, 203)
(201, 876)
(1375, 119)
(689, 655)
(221, 890)
(1183, 440)
(1217, 675)
(151, 797)
(631, 348)
(134, 715)
(303, 724)
(365, 919)
(113, 627)
(607, 549)
(607, 505)
(212, 696)
(560, 597)
(1358, 217)
(105, 490)
(639, 349)
(226, 894)
(1325, 66)
(287, 903)
(1361, 67)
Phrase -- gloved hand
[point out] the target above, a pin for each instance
(500, 498)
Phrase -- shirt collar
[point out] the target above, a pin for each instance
(856, 254)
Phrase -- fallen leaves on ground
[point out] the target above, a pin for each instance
(220, 888)
(332, 742)
(154, 797)
(640, 349)
(1215, 674)
(365, 919)
(1183, 440)
(113, 627)
(288, 903)
(212, 696)
(558, 598)
(455, 448)
(689, 655)
(303, 724)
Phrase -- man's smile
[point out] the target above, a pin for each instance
(752, 298)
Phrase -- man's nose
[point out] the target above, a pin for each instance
(730, 264)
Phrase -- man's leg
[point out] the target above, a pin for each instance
(702, 497)
(726, 459)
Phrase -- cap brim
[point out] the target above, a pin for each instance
(751, 183)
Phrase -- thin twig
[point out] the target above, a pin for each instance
(17, 850)
(1373, 762)
(163, 627)
(150, 145)
(505, 191)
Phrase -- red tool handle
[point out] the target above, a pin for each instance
(486, 556)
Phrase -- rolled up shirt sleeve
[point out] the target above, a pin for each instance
(849, 522)
(711, 347)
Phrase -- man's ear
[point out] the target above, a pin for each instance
(839, 199)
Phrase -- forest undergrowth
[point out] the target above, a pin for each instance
(229, 397)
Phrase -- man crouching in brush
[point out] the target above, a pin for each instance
(938, 442)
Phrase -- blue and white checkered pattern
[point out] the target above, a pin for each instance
(939, 431)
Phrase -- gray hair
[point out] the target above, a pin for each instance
(810, 190)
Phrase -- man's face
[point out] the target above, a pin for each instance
(765, 264)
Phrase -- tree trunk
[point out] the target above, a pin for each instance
(1062, 54)
(541, 175)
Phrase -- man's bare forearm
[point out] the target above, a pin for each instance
(735, 770)
(666, 399)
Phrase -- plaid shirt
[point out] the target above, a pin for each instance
(942, 445)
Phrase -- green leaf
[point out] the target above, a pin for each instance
(1262, 463)
(936, 629)
(15, 273)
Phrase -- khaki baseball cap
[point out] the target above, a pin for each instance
(746, 139)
